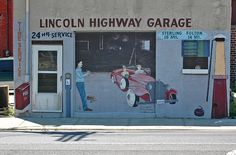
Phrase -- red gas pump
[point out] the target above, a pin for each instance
(219, 100)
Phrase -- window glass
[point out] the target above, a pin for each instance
(195, 54)
(47, 83)
(47, 60)
(6, 70)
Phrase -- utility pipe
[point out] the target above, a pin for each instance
(27, 41)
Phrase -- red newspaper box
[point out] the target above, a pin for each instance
(22, 96)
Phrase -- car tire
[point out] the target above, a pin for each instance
(124, 84)
(112, 79)
(131, 98)
(172, 98)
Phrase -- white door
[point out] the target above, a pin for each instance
(47, 78)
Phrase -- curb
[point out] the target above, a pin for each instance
(100, 127)
(52, 124)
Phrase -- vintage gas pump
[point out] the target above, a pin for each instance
(219, 103)
(68, 94)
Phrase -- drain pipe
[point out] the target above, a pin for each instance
(7, 53)
(27, 41)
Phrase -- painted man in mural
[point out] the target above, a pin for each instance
(124, 72)
(80, 85)
(139, 70)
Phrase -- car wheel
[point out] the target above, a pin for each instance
(124, 84)
(131, 98)
(172, 98)
(112, 79)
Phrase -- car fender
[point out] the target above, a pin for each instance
(169, 92)
(141, 92)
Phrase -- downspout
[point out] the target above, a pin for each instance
(7, 53)
(27, 41)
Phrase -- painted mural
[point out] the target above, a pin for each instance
(119, 69)
(219, 104)
(199, 69)
(140, 87)
(191, 50)
(124, 60)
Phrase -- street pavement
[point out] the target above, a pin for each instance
(118, 142)
(14, 123)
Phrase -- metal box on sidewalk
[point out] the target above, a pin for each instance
(22, 96)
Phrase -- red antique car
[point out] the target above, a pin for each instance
(137, 85)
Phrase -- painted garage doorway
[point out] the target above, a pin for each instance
(47, 78)
(108, 56)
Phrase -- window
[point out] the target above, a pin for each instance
(145, 45)
(47, 83)
(195, 56)
(47, 61)
(47, 71)
(6, 69)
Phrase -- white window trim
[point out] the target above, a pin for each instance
(195, 71)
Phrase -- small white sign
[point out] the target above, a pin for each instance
(181, 35)
(67, 82)
(160, 101)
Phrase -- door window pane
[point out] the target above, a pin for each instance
(47, 61)
(47, 83)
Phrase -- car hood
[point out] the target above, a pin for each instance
(142, 78)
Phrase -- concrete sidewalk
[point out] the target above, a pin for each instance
(44, 124)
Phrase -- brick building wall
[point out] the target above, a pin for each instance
(233, 54)
(6, 27)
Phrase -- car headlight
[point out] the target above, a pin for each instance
(149, 86)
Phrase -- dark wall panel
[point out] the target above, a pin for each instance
(106, 51)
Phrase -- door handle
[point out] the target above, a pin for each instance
(61, 78)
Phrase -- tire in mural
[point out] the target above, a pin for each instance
(131, 98)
